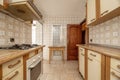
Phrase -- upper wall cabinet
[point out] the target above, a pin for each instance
(108, 6)
(91, 11)
(99, 11)
(22, 9)
(1, 2)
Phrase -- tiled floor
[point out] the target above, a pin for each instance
(59, 71)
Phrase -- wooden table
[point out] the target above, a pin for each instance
(56, 48)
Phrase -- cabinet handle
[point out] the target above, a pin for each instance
(113, 73)
(92, 20)
(90, 59)
(82, 54)
(104, 12)
(118, 66)
(12, 65)
(9, 78)
(81, 49)
(93, 55)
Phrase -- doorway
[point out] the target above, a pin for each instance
(74, 36)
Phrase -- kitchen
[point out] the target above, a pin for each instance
(59, 40)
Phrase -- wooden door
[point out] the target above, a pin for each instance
(73, 38)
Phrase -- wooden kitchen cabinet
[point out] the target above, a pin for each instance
(107, 6)
(94, 66)
(1, 2)
(91, 11)
(11, 65)
(99, 11)
(115, 69)
(82, 61)
(13, 70)
(114, 75)
(15, 75)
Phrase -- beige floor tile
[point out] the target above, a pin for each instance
(57, 70)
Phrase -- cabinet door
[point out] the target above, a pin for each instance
(108, 5)
(15, 75)
(114, 75)
(94, 70)
(91, 11)
(1, 2)
(82, 63)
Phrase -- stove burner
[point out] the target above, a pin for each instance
(20, 47)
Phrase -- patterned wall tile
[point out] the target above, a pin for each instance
(12, 28)
(107, 33)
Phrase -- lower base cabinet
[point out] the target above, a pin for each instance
(114, 75)
(98, 66)
(114, 69)
(94, 70)
(15, 75)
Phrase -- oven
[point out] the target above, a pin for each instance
(34, 67)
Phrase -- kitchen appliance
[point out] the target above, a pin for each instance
(20, 46)
(23, 9)
(34, 67)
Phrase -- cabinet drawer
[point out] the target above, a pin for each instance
(12, 65)
(114, 75)
(82, 50)
(115, 64)
(15, 75)
(94, 55)
(40, 50)
(31, 54)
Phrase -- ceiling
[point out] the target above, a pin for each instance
(62, 7)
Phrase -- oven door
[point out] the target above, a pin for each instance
(35, 70)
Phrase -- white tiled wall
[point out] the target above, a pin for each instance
(47, 33)
(107, 33)
(11, 28)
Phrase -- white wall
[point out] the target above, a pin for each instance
(107, 33)
(47, 33)
(37, 33)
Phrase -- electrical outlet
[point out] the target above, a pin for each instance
(12, 40)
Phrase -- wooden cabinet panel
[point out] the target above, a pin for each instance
(108, 6)
(11, 65)
(114, 75)
(94, 70)
(115, 64)
(91, 11)
(94, 55)
(1, 2)
(31, 54)
(15, 75)
(94, 66)
(82, 61)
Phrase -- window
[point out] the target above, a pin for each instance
(56, 35)
(37, 33)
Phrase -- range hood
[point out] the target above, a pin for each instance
(24, 10)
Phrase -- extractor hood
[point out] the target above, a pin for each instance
(24, 10)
